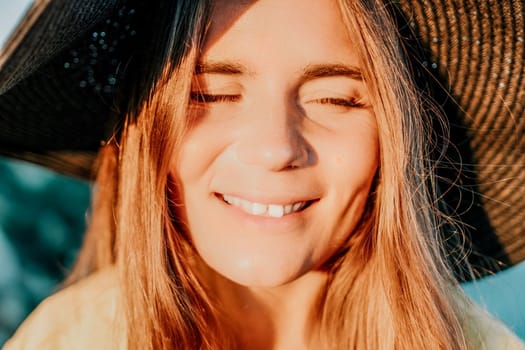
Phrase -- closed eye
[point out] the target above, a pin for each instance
(343, 102)
(200, 97)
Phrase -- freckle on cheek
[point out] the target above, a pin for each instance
(338, 160)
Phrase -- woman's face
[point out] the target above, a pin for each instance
(277, 165)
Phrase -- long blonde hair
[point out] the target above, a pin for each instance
(390, 290)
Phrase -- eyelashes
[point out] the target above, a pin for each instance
(200, 97)
(204, 98)
(340, 102)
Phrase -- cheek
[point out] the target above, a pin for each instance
(350, 156)
(199, 148)
(349, 165)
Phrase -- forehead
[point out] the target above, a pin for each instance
(307, 27)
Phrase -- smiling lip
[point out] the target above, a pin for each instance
(265, 209)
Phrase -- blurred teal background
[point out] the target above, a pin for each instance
(42, 218)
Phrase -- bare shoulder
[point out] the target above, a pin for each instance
(81, 316)
(485, 332)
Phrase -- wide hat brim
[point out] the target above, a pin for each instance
(473, 48)
(57, 126)
(63, 71)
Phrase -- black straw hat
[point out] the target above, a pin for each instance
(475, 50)
(65, 68)
(70, 62)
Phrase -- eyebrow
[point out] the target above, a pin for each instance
(313, 71)
(221, 67)
(316, 71)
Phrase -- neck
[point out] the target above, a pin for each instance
(281, 317)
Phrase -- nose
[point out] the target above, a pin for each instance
(273, 139)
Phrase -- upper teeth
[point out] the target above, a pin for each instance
(273, 210)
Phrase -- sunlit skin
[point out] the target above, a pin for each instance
(280, 119)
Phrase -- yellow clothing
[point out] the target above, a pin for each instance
(84, 317)
(80, 317)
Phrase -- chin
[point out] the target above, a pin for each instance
(250, 272)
